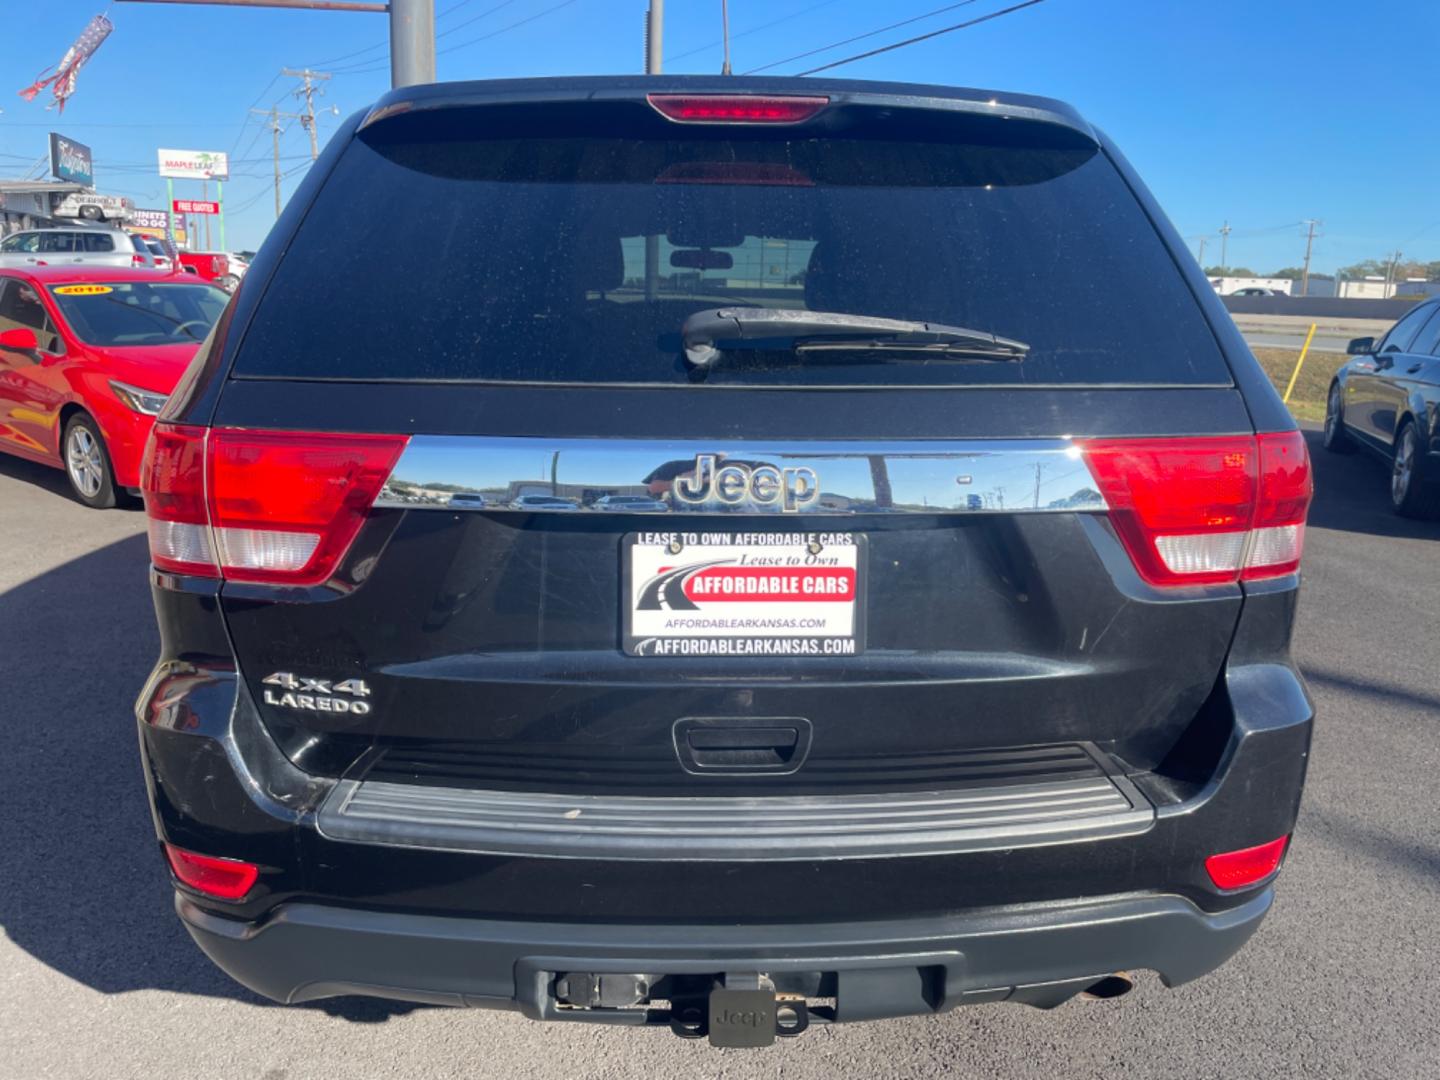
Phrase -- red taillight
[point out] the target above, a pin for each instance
(736, 108)
(285, 506)
(1237, 869)
(224, 879)
(1286, 486)
(137, 259)
(172, 476)
(277, 507)
(1197, 511)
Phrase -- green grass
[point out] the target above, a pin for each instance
(1307, 401)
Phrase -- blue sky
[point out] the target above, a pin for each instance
(1261, 114)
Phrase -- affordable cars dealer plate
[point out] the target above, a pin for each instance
(739, 593)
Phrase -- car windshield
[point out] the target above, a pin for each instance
(139, 312)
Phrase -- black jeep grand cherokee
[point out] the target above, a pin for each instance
(733, 554)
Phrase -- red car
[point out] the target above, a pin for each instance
(88, 356)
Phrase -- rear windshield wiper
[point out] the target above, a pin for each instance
(706, 334)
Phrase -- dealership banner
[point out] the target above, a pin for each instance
(70, 160)
(194, 164)
(195, 206)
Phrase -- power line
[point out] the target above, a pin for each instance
(922, 37)
(466, 44)
(385, 44)
(752, 30)
(861, 37)
(472, 21)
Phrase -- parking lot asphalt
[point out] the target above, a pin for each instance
(97, 978)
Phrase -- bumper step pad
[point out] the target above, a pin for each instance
(781, 827)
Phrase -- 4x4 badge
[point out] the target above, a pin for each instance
(317, 695)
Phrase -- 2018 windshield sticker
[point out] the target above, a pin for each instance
(82, 290)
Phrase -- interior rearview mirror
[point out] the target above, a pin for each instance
(1360, 346)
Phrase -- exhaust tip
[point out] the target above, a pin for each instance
(1110, 987)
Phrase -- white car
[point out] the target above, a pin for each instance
(61, 247)
(631, 504)
(543, 503)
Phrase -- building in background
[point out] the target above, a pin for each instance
(64, 200)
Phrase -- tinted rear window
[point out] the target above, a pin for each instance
(577, 259)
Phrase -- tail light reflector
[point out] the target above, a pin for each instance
(1196, 511)
(276, 507)
(224, 879)
(737, 108)
(1237, 869)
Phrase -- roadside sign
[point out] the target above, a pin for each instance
(194, 164)
(195, 206)
(152, 223)
(70, 160)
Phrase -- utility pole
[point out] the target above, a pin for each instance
(308, 92)
(274, 115)
(1309, 245)
(1200, 258)
(1390, 274)
(1224, 245)
(412, 42)
(654, 60)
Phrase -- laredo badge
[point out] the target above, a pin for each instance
(317, 695)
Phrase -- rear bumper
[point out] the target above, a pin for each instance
(1040, 955)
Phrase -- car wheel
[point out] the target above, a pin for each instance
(1336, 439)
(87, 464)
(1413, 492)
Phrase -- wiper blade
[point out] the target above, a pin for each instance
(707, 333)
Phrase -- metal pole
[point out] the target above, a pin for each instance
(725, 33)
(170, 207)
(1309, 243)
(275, 141)
(1224, 245)
(205, 197)
(654, 37)
(654, 57)
(412, 42)
(220, 205)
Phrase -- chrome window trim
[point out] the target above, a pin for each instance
(489, 474)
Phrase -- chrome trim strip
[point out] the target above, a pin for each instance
(536, 475)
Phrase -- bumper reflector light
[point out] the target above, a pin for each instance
(1248, 866)
(224, 879)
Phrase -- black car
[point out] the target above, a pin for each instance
(1387, 400)
(947, 663)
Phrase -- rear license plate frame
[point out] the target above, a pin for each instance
(812, 548)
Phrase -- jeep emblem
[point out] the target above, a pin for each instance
(736, 484)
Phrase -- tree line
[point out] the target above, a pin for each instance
(1404, 269)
